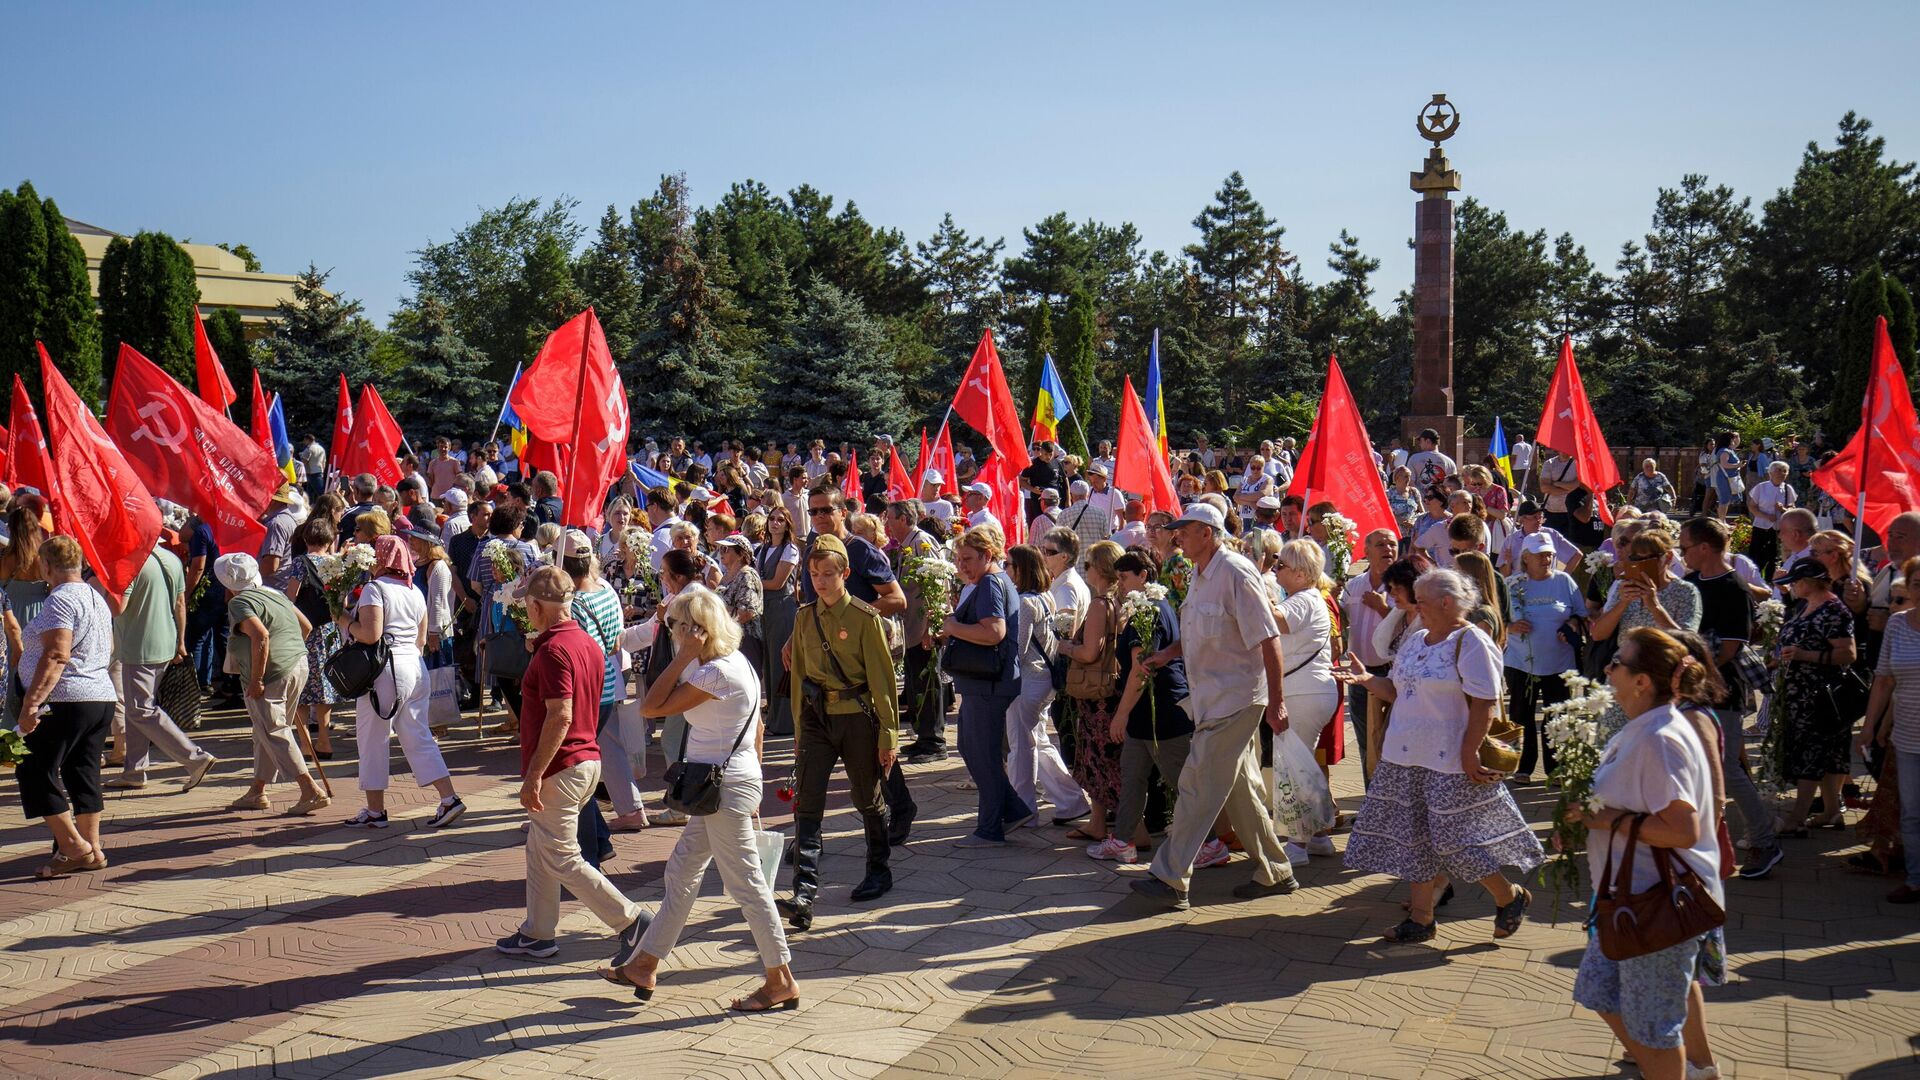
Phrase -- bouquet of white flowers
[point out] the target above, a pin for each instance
(506, 570)
(1340, 530)
(343, 574)
(936, 582)
(1572, 730)
(1768, 615)
(1141, 611)
(1599, 565)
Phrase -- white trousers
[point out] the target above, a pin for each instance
(724, 837)
(1031, 755)
(406, 680)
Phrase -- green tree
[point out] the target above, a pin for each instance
(1278, 417)
(1238, 250)
(317, 336)
(446, 390)
(1079, 344)
(45, 295)
(1165, 299)
(1038, 344)
(147, 297)
(1502, 303)
(831, 377)
(480, 275)
(543, 296)
(245, 254)
(690, 372)
(606, 279)
(760, 238)
(1873, 295)
(846, 250)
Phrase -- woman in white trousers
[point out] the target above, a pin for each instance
(1032, 759)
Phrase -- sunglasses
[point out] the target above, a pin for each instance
(816, 511)
(1049, 552)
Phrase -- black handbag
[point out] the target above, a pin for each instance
(693, 787)
(1847, 691)
(355, 667)
(507, 654)
(967, 660)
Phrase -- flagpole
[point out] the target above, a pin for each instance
(504, 401)
(1866, 453)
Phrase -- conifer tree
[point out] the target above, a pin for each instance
(147, 296)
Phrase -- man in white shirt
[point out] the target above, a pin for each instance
(1797, 527)
(1104, 457)
(1521, 452)
(1767, 500)
(930, 500)
(1207, 456)
(662, 516)
(1559, 478)
(1134, 532)
(1230, 644)
(975, 497)
(454, 499)
(1428, 465)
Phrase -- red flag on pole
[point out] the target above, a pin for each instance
(185, 449)
(572, 396)
(920, 463)
(850, 485)
(1336, 465)
(342, 425)
(373, 442)
(984, 401)
(898, 485)
(6, 446)
(26, 446)
(96, 497)
(261, 427)
(215, 388)
(1886, 449)
(1568, 425)
(1005, 503)
(1138, 465)
(943, 462)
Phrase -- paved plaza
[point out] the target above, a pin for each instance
(241, 946)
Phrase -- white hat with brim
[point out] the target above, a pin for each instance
(979, 489)
(1201, 514)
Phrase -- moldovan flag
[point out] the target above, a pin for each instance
(850, 485)
(187, 451)
(572, 398)
(1886, 449)
(984, 401)
(899, 486)
(26, 446)
(943, 462)
(282, 446)
(215, 389)
(1156, 401)
(1336, 465)
(1500, 452)
(342, 426)
(1568, 425)
(1053, 405)
(260, 423)
(1005, 503)
(1139, 466)
(372, 443)
(96, 497)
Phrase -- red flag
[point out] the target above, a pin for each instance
(215, 389)
(920, 463)
(185, 449)
(27, 447)
(850, 485)
(1005, 503)
(943, 463)
(898, 485)
(1336, 465)
(541, 456)
(572, 396)
(1886, 449)
(1568, 425)
(1138, 465)
(96, 497)
(984, 401)
(373, 442)
(262, 427)
(6, 444)
(342, 425)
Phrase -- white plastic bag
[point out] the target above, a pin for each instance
(1302, 802)
(770, 845)
(443, 698)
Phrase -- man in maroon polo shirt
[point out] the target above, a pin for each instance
(560, 764)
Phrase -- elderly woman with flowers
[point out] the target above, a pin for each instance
(1434, 808)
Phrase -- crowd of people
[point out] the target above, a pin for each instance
(1146, 681)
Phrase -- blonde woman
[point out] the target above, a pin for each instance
(1306, 651)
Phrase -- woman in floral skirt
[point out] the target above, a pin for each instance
(308, 591)
(1096, 753)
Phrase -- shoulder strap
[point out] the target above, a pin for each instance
(838, 671)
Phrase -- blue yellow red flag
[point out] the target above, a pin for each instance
(1498, 450)
(282, 446)
(516, 431)
(1053, 405)
(1156, 401)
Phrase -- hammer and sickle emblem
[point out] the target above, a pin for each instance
(153, 427)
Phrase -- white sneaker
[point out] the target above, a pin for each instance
(1212, 853)
(1702, 1072)
(1113, 849)
(1296, 855)
(1320, 845)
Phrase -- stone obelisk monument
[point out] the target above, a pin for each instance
(1433, 285)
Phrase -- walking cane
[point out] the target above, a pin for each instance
(306, 747)
(480, 699)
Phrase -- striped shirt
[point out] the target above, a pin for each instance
(1900, 661)
(598, 613)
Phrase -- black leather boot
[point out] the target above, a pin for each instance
(901, 809)
(806, 874)
(879, 878)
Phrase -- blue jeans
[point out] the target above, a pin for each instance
(1909, 766)
(983, 746)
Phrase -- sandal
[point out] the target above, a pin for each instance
(1410, 932)
(1445, 897)
(618, 976)
(1078, 833)
(1507, 918)
(61, 865)
(757, 1002)
(1835, 820)
(668, 817)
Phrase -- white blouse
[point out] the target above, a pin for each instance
(1430, 696)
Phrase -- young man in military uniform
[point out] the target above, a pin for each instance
(845, 709)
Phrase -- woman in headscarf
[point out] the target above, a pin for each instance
(390, 607)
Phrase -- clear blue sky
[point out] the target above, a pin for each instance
(350, 134)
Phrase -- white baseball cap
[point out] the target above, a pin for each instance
(933, 476)
(1201, 513)
(978, 488)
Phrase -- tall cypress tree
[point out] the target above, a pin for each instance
(147, 297)
(44, 295)
(69, 325)
(1872, 295)
(1079, 351)
(23, 285)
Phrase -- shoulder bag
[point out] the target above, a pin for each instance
(356, 666)
(968, 660)
(693, 787)
(1098, 680)
(1677, 908)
